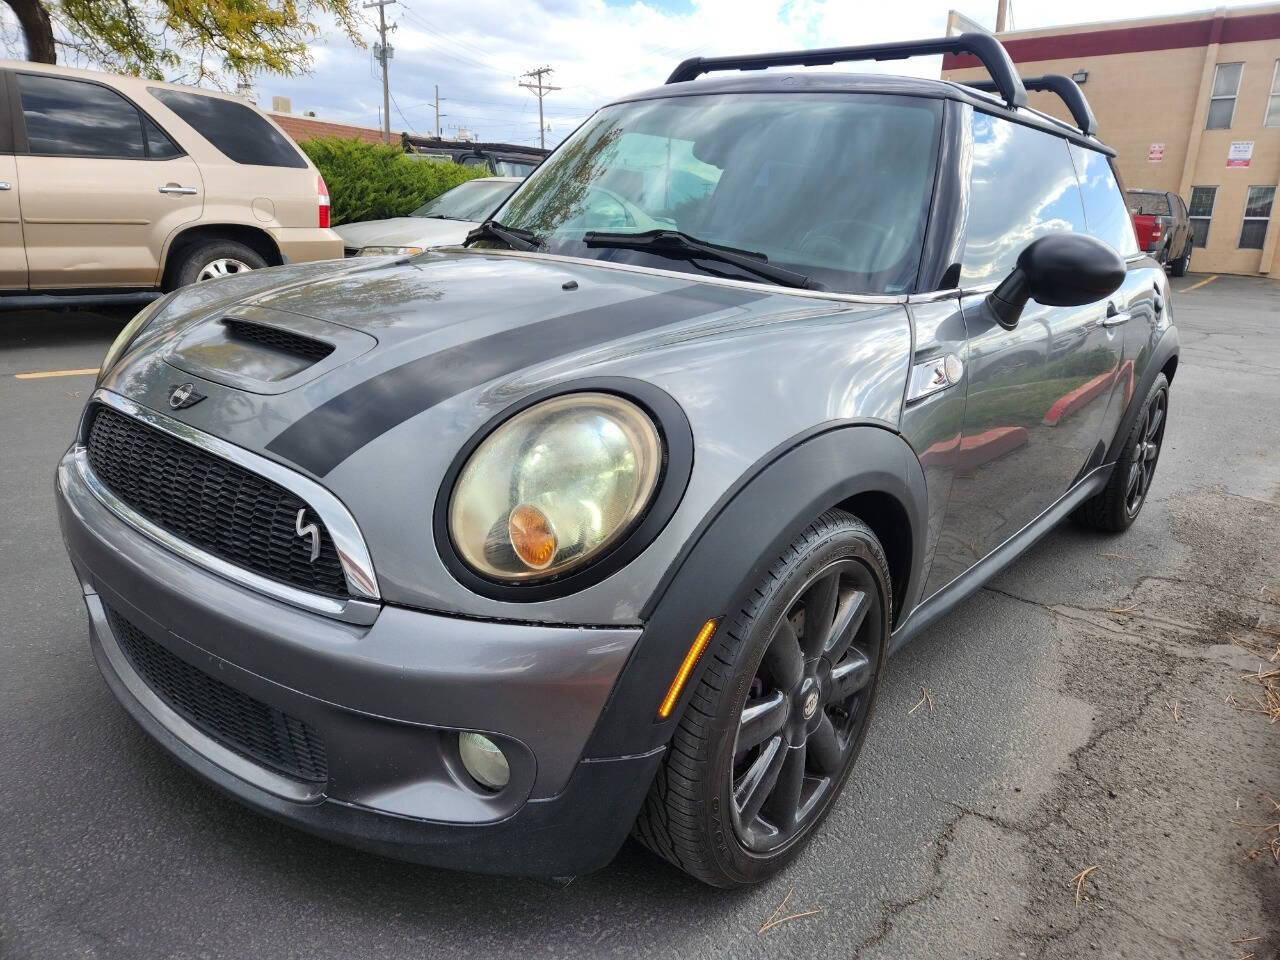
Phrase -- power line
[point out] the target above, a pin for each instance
(541, 90)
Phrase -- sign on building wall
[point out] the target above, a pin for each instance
(1155, 153)
(1239, 153)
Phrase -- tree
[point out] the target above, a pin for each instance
(187, 40)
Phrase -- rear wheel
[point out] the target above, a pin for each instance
(778, 719)
(212, 259)
(1180, 266)
(1118, 505)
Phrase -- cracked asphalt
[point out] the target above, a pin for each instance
(1087, 711)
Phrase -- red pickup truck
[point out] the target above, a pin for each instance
(1164, 231)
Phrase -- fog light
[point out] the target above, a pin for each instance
(484, 760)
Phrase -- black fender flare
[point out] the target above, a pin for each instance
(732, 549)
(1165, 349)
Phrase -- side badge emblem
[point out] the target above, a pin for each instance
(310, 530)
(183, 396)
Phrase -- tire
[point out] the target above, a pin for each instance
(203, 260)
(1118, 505)
(1180, 266)
(702, 813)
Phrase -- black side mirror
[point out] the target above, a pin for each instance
(1058, 270)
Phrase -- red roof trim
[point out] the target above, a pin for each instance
(1161, 36)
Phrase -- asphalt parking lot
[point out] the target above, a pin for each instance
(1085, 710)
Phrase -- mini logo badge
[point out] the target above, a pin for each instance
(183, 396)
(811, 704)
(309, 530)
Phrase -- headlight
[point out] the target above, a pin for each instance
(126, 336)
(388, 251)
(554, 487)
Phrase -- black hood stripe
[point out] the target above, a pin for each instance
(336, 429)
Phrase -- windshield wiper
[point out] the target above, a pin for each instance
(513, 237)
(681, 246)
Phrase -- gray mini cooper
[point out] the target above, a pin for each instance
(608, 521)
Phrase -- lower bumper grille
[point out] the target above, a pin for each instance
(251, 728)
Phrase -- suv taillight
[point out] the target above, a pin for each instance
(322, 201)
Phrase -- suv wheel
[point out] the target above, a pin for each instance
(1118, 505)
(776, 722)
(213, 259)
(1180, 266)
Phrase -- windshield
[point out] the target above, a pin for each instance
(473, 200)
(1150, 204)
(832, 186)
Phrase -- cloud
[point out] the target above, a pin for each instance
(476, 50)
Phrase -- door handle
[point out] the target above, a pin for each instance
(175, 188)
(1114, 317)
(5, 185)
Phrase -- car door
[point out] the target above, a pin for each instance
(102, 185)
(1037, 394)
(1133, 311)
(13, 257)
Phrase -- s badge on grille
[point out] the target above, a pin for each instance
(310, 530)
(183, 396)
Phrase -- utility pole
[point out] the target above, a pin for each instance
(1002, 15)
(436, 103)
(541, 90)
(382, 52)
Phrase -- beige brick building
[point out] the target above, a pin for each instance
(1192, 104)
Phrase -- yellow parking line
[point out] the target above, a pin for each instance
(1197, 286)
(43, 374)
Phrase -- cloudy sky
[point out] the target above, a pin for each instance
(476, 49)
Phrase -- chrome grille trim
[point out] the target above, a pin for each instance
(363, 605)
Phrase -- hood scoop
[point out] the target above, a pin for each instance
(262, 350)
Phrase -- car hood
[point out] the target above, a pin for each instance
(417, 355)
(405, 334)
(405, 232)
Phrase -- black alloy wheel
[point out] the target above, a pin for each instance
(775, 722)
(806, 705)
(1142, 466)
(1118, 504)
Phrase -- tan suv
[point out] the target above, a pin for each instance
(113, 185)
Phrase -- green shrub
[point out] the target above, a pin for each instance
(372, 181)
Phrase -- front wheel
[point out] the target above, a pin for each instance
(1180, 266)
(778, 718)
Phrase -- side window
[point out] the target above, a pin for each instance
(73, 118)
(1022, 185)
(1104, 206)
(236, 129)
(159, 146)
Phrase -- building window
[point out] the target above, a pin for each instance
(1257, 211)
(1272, 117)
(1201, 212)
(1222, 102)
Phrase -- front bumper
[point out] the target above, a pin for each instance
(387, 699)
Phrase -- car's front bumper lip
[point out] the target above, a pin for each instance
(388, 698)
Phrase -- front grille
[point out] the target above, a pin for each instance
(308, 348)
(263, 734)
(211, 503)
(351, 251)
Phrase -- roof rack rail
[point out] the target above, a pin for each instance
(981, 45)
(1066, 88)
